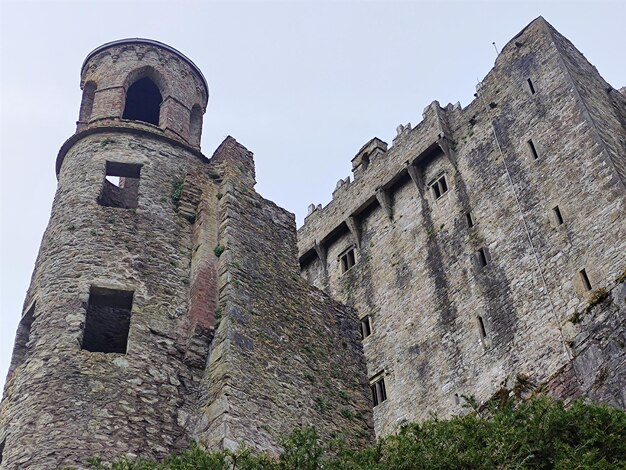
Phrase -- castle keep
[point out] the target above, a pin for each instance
(483, 252)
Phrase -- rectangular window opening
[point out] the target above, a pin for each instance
(108, 320)
(585, 279)
(379, 392)
(2, 449)
(439, 186)
(121, 185)
(347, 260)
(469, 219)
(481, 328)
(533, 149)
(557, 215)
(531, 87)
(482, 257)
(366, 327)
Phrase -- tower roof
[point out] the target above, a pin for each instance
(145, 41)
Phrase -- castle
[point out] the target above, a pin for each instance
(483, 252)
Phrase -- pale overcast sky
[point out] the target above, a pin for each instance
(301, 84)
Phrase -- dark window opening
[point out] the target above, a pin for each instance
(557, 215)
(143, 102)
(481, 327)
(86, 104)
(347, 260)
(457, 400)
(195, 125)
(585, 279)
(531, 87)
(533, 149)
(379, 393)
(2, 449)
(366, 327)
(108, 320)
(439, 186)
(22, 337)
(121, 185)
(469, 219)
(365, 160)
(482, 257)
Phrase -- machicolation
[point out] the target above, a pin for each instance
(482, 252)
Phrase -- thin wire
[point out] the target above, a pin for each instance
(519, 206)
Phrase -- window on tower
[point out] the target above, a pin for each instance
(143, 102)
(108, 320)
(121, 185)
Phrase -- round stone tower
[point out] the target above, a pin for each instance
(101, 362)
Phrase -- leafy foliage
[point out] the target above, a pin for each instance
(538, 434)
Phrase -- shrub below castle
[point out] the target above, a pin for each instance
(538, 434)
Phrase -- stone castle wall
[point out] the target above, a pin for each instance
(419, 275)
(139, 334)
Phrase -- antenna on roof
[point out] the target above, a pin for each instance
(495, 47)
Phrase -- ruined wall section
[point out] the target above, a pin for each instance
(418, 275)
(106, 404)
(284, 354)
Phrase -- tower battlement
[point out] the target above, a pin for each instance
(483, 252)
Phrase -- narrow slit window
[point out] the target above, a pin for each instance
(531, 87)
(585, 279)
(121, 185)
(22, 337)
(482, 257)
(366, 327)
(481, 328)
(108, 320)
(439, 186)
(347, 260)
(379, 392)
(558, 217)
(532, 149)
(2, 444)
(469, 219)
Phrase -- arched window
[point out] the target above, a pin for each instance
(195, 125)
(86, 105)
(143, 102)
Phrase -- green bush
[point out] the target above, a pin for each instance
(538, 434)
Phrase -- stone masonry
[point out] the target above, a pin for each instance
(167, 306)
(483, 252)
(488, 242)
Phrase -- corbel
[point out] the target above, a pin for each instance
(382, 195)
(355, 230)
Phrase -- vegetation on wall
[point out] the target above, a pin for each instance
(539, 434)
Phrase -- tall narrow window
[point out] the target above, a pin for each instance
(195, 125)
(143, 102)
(347, 260)
(469, 219)
(108, 320)
(532, 149)
(481, 327)
(439, 186)
(121, 185)
(531, 87)
(481, 256)
(86, 104)
(2, 449)
(366, 327)
(585, 279)
(558, 217)
(379, 392)
(20, 350)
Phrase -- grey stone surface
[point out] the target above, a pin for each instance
(418, 275)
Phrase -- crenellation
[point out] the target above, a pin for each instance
(483, 253)
(461, 306)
